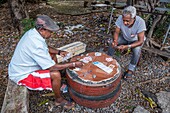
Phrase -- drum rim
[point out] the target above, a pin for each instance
(97, 98)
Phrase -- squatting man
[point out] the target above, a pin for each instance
(129, 34)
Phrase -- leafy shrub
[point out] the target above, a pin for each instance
(27, 24)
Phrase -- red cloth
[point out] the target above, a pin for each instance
(38, 80)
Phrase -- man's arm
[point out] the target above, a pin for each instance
(140, 41)
(57, 67)
(53, 50)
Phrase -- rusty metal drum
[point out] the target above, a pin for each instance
(98, 83)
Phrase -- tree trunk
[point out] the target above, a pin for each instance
(157, 19)
(18, 12)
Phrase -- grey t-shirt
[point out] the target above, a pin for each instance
(130, 34)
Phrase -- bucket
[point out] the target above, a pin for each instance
(92, 86)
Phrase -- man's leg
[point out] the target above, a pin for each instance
(56, 84)
(133, 63)
(135, 58)
(111, 51)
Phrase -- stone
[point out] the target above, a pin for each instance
(140, 109)
(164, 101)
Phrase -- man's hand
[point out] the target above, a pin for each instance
(62, 53)
(114, 43)
(122, 47)
(78, 64)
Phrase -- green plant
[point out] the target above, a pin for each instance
(27, 24)
(117, 53)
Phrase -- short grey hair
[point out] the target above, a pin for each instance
(129, 10)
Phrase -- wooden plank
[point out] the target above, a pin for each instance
(153, 13)
(140, 6)
(157, 51)
(162, 9)
(119, 4)
(166, 1)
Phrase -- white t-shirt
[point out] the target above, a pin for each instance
(31, 54)
(130, 34)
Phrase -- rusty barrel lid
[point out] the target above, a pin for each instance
(99, 69)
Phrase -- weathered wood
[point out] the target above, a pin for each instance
(157, 51)
(155, 80)
(16, 99)
(18, 12)
(156, 20)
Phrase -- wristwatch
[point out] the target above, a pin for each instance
(59, 51)
(129, 46)
(74, 64)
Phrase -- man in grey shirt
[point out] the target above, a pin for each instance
(132, 37)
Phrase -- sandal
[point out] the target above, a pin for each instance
(62, 103)
(127, 76)
(69, 105)
(65, 104)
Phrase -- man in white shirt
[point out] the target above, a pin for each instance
(129, 34)
(32, 64)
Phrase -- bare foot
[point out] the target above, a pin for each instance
(66, 104)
